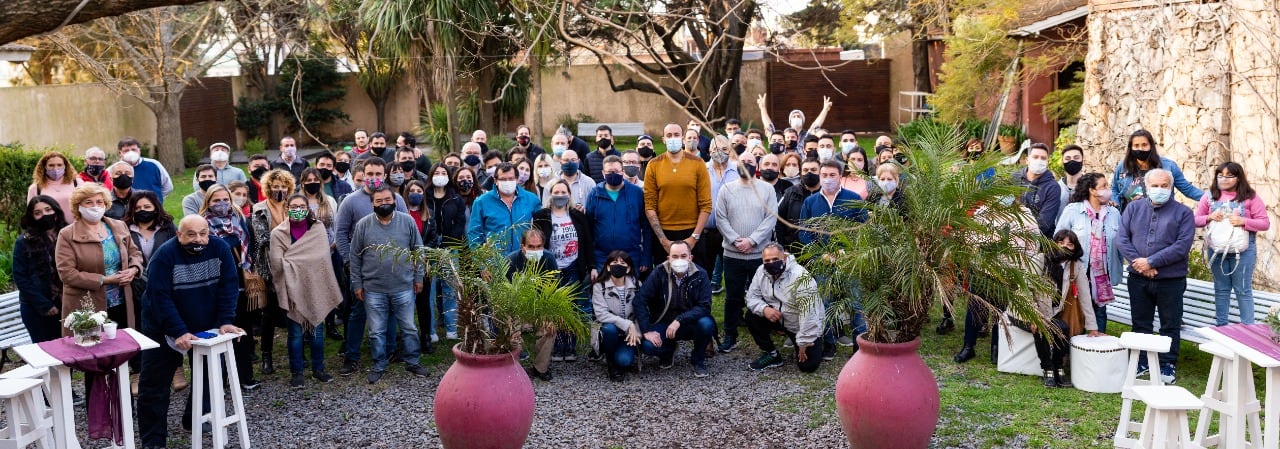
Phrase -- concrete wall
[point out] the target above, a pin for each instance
(75, 116)
(897, 49)
(402, 111)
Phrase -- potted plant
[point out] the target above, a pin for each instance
(957, 238)
(1008, 136)
(86, 324)
(485, 400)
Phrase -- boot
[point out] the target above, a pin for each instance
(966, 354)
(1050, 378)
(995, 353)
(1060, 377)
(946, 326)
(267, 366)
(179, 380)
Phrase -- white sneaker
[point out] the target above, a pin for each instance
(435, 338)
(451, 335)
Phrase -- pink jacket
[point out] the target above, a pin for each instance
(1255, 213)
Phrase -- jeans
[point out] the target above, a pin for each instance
(382, 308)
(565, 342)
(739, 273)
(1100, 313)
(297, 343)
(41, 327)
(699, 255)
(856, 321)
(1052, 352)
(1149, 296)
(448, 303)
(244, 345)
(614, 348)
(356, 324)
(762, 332)
(158, 365)
(700, 332)
(1233, 272)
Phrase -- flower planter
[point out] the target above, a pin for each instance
(484, 401)
(886, 397)
(87, 337)
(1008, 144)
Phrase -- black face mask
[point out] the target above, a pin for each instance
(278, 195)
(206, 184)
(94, 170)
(810, 180)
(645, 152)
(618, 270)
(776, 267)
(122, 181)
(342, 167)
(604, 143)
(901, 158)
(1061, 254)
(144, 216)
(1073, 167)
(378, 151)
(408, 167)
(769, 174)
(631, 171)
(193, 248)
(810, 154)
(46, 222)
(775, 148)
(325, 173)
(747, 171)
(258, 172)
(1140, 154)
(311, 188)
(384, 210)
(739, 148)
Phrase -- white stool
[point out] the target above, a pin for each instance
(1098, 364)
(1017, 354)
(1165, 424)
(28, 420)
(1136, 343)
(212, 352)
(1231, 395)
(30, 372)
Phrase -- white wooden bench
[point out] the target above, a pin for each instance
(619, 129)
(1197, 308)
(12, 331)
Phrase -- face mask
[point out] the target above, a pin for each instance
(631, 171)
(830, 185)
(407, 166)
(46, 222)
(311, 188)
(674, 144)
(145, 216)
(645, 152)
(396, 179)
(1103, 195)
(604, 143)
(131, 157)
(1072, 167)
(559, 201)
(507, 187)
(373, 183)
(220, 208)
(859, 164)
(466, 185)
(471, 160)
(720, 157)
(691, 145)
(92, 214)
(618, 270)
(278, 195)
(94, 171)
(769, 174)
(378, 151)
(846, 147)
(810, 180)
(679, 266)
(491, 171)
(384, 210)
(746, 171)
(1140, 154)
(1158, 195)
(1037, 166)
(775, 268)
(775, 148)
(887, 186)
(342, 167)
(206, 184)
(811, 154)
(796, 123)
(544, 172)
(258, 172)
(533, 256)
(297, 215)
(613, 179)
(55, 174)
(522, 176)
(569, 168)
(325, 173)
(791, 171)
(825, 154)
(289, 153)
(238, 200)
(557, 150)
(739, 148)
(193, 248)
(1226, 183)
(219, 156)
(440, 180)
(522, 140)
(752, 143)
(901, 158)
(414, 199)
(122, 181)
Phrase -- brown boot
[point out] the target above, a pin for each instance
(179, 380)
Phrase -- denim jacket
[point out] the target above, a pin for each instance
(1076, 218)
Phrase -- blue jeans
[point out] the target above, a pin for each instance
(567, 343)
(701, 333)
(1234, 272)
(856, 321)
(1100, 314)
(355, 330)
(614, 347)
(382, 308)
(296, 345)
(448, 306)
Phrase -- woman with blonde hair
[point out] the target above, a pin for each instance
(56, 178)
(267, 215)
(545, 170)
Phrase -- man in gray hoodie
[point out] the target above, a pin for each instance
(783, 297)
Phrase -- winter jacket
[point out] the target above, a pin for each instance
(594, 165)
(619, 224)
(795, 295)
(450, 217)
(492, 219)
(1042, 197)
(661, 300)
(789, 208)
(615, 305)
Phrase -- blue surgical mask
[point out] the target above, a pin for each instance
(674, 144)
(1159, 195)
(569, 168)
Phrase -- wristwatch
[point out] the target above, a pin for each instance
(696, 236)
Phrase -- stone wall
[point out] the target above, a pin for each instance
(1203, 79)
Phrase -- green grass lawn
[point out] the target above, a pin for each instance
(181, 188)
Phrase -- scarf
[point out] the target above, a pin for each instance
(304, 281)
(1098, 259)
(226, 226)
(278, 212)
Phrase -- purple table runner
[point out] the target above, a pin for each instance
(1256, 336)
(99, 363)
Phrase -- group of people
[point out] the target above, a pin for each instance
(646, 237)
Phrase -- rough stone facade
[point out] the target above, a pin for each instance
(1204, 78)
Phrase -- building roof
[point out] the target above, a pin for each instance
(1035, 17)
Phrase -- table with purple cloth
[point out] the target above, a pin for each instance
(1253, 342)
(110, 409)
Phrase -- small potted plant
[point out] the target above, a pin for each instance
(86, 324)
(485, 399)
(1272, 320)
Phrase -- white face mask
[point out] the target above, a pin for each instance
(679, 266)
(491, 170)
(440, 180)
(238, 200)
(825, 154)
(1037, 166)
(131, 157)
(796, 123)
(791, 172)
(533, 256)
(92, 214)
(846, 147)
(219, 156)
(544, 172)
(507, 187)
(830, 185)
(752, 143)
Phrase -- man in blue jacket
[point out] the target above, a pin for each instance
(1155, 236)
(673, 305)
(1043, 196)
(616, 210)
(503, 212)
(831, 199)
(192, 287)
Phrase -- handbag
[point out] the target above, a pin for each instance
(255, 290)
(1223, 238)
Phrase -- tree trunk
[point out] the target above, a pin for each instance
(380, 106)
(169, 133)
(920, 64)
(485, 116)
(535, 74)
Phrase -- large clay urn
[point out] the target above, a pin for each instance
(887, 397)
(484, 402)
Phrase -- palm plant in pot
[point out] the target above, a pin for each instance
(957, 238)
(485, 400)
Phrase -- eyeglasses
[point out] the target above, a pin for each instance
(1226, 176)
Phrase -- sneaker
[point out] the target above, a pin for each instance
(435, 338)
(666, 364)
(322, 376)
(700, 370)
(250, 385)
(570, 357)
(451, 335)
(375, 376)
(1142, 369)
(845, 341)
(718, 290)
(348, 368)
(418, 370)
(557, 357)
(1168, 373)
(728, 344)
(296, 381)
(767, 360)
(535, 374)
(828, 352)
(594, 356)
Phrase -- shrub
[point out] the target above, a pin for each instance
(913, 130)
(255, 146)
(571, 121)
(8, 235)
(501, 143)
(191, 152)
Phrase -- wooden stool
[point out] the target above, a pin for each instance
(1136, 343)
(29, 422)
(1165, 423)
(211, 353)
(1231, 395)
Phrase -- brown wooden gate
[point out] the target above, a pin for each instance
(864, 105)
(209, 113)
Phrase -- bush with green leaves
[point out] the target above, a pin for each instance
(571, 121)
(191, 152)
(255, 146)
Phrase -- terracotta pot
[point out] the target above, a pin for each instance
(887, 398)
(1008, 144)
(484, 402)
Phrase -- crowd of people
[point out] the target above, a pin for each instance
(646, 237)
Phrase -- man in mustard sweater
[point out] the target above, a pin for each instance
(677, 195)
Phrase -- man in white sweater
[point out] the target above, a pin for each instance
(746, 212)
(784, 297)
